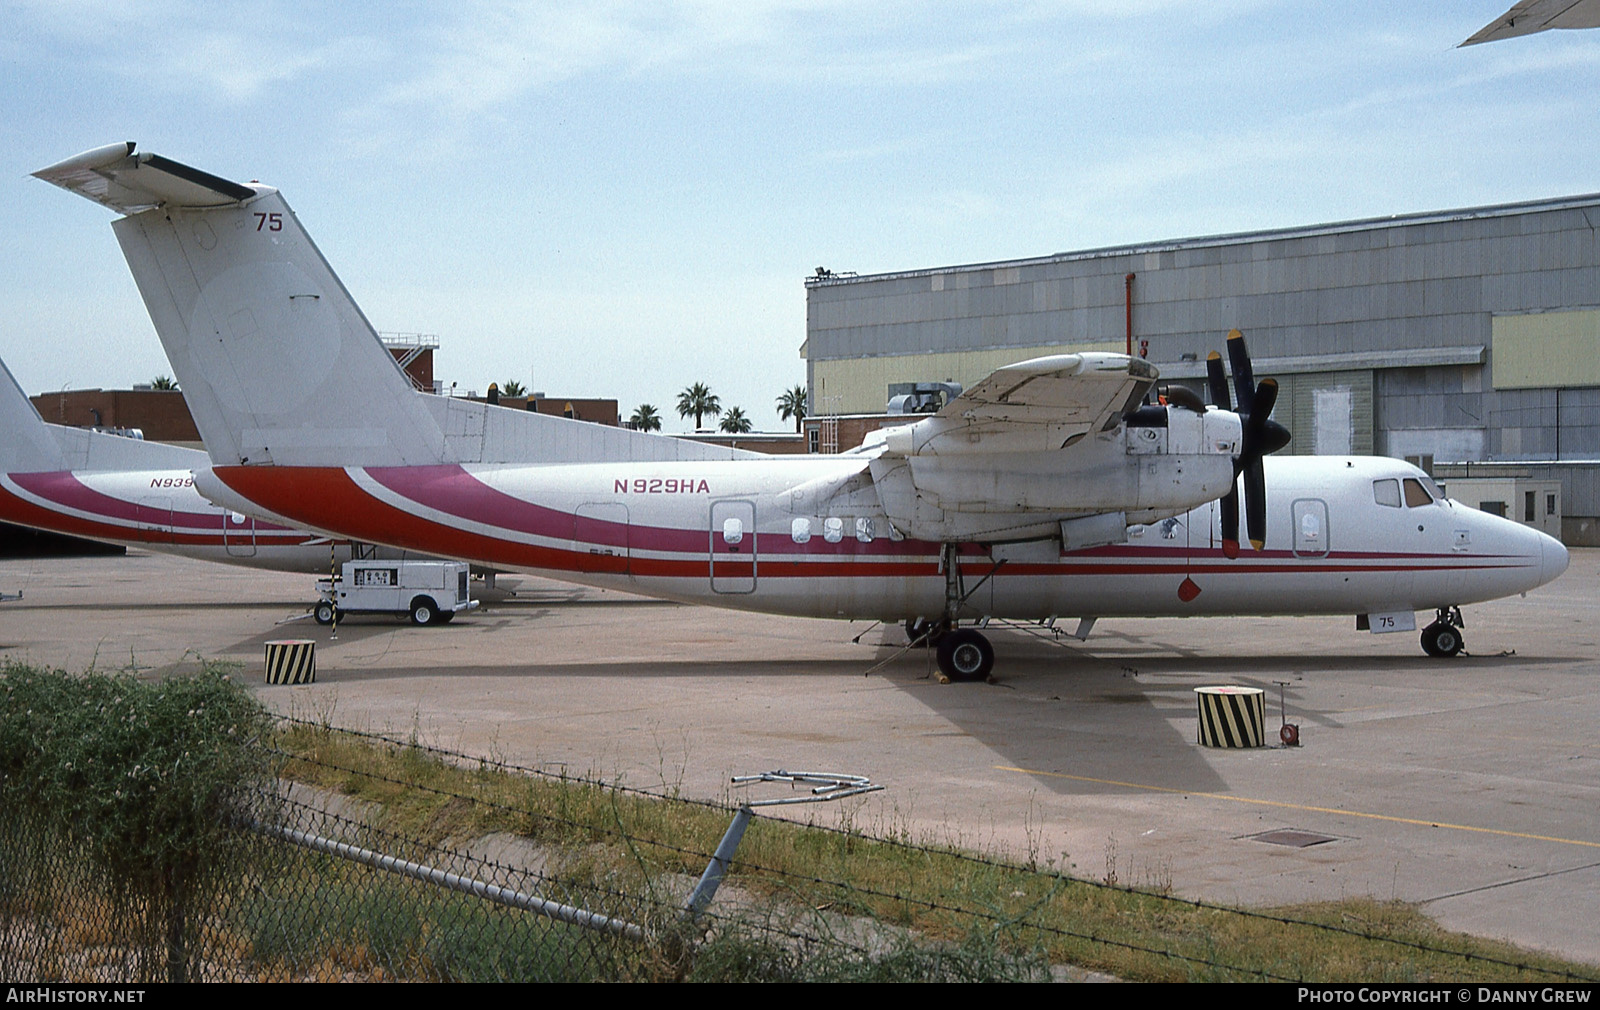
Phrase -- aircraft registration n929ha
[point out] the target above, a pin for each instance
(122, 490)
(1050, 489)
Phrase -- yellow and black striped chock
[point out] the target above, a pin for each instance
(1232, 716)
(292, 661)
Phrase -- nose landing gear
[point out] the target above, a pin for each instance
(1442, 639)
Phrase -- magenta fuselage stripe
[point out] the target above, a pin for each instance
(450, 489)
(63, 488)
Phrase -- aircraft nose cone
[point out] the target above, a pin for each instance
(1553, 560)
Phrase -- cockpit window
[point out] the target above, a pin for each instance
(1416, 494)
(1433, 488)
(1386, 492)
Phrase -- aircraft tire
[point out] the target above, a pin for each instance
(1441, 640)
(423, 611)
(964, 654)
(323, 613)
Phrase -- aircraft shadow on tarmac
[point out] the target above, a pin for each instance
(1116, 715)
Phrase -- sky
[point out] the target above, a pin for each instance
(623, 199)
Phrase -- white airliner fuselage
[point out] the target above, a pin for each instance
(734, 534)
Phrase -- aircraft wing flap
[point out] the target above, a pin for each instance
(128, 183)
(1084, 390)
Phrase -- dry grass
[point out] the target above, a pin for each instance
(940, 893)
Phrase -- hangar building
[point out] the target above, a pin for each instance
(1456, 337)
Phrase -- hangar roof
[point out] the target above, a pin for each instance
(1238, 238)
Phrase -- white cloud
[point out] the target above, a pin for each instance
(202, 51)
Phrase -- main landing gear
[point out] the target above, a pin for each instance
(962, 653)
(1442, 639)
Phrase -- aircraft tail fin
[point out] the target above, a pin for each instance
(274, 357)
(30, 444)
(276, 360)
(26, 445)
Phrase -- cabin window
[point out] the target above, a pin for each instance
(800, 530)
(732, 530)
(833, 529)
(1416, 494)
(1310, 530)
(1310, 527)
(864, 530)
(1386, 492)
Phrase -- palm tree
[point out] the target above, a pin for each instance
(792, 403)
(164, 382)
(511, 387)
(645, 418)
(698, 400)
(734, 422)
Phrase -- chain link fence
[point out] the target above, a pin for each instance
(175, 832)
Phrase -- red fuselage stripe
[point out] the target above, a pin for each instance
(328, 496)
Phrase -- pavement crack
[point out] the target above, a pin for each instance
(1508, 883)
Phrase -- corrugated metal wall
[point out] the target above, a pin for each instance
(1381, 291)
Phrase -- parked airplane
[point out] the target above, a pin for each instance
(1529, 16)
(119, 490)
(1046, 490)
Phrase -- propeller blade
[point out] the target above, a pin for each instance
(1230, 523)
(1255, 502)
(1261, 434)
(1266, 399)
(1244, 378)
(1217, 382)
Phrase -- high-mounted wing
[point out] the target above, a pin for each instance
(1033, 406)
(1530, 16)
(1049, 441)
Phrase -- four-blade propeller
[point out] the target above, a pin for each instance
(1261, 436)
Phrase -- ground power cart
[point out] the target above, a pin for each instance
(429, 592)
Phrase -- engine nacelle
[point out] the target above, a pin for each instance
(1160, 461)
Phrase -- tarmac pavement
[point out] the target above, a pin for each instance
(1467, 785)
